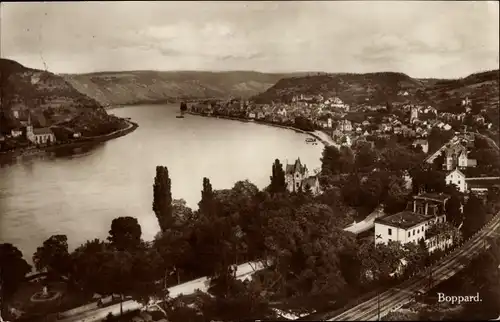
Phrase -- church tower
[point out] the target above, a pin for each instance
(30, 136)
(414, 114)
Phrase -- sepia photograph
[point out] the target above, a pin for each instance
(227, 161)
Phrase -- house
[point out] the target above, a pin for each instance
(295, 174)
(480, 185)
(457, 178)
(413, 114)
(16, 133)
(409, 227)
(346, 140)
(428, 203)
(455, 154)
(423, 143)
(330, 123)
(312, 183)
(282, 112)
(297, 177)
(345, 125)
(365, 123)
(251, 115)
(466, 101)
(447, 127)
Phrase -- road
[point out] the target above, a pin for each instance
(244, 271)
(402, 294)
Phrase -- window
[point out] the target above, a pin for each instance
(418, 231)
(409, 234)
(298, 185)
(389, 231)
(390, 239)
(458, 181)
(413, 232)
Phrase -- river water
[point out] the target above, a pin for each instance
(78, 193)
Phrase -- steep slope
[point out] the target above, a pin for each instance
(482, 88)
(117, 88)
(47, 98)
(377, 88)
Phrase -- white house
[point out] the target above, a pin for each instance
(282, 112)
(457, 178)
(407, 227)
(346, 140)
(16, 133)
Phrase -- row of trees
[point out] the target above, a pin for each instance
(299, 238)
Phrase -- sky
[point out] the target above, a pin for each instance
(435, 39)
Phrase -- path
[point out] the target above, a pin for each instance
(244, 271)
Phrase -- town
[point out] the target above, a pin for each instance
(249, 161)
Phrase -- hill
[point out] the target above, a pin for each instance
(481, 88)
(48, 99)
(376, 88)
(379, 88)
(136, 87)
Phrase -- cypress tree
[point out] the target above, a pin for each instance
(207, 198)
(162, 198)
(278, 183)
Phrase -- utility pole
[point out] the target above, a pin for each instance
(378, 304)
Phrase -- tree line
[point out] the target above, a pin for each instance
(299, 238)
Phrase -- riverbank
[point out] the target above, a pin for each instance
(34, 151)
(319, 135)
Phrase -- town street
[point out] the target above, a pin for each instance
(404, 293)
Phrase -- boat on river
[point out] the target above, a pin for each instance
(310, 140)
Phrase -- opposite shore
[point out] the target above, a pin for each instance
(131, 126)
(319, 135)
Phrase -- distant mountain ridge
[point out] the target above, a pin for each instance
(135, 87)
(380, 88)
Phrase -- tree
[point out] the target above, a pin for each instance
(125, 233)
(438, 162)
(304, 124)
(453, 208)
(87, 262)
(303, 246)
(428, 180)
(365, 158)
(162, 198)
(53, 256)
(474, 216)
(484, 278)
(173, 246)
(180, 211)
(207, 202)
(117, 267)
(13, 269)
(278, 183)
(416, 255)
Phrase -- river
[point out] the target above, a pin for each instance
(78, 193)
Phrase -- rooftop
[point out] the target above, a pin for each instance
(484, 182)
(405, 219)
(440, 197)
(41, 131)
